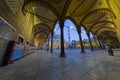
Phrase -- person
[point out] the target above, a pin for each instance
(110, 51)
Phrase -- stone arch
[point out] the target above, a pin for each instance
(40, 24)
(84, 28)
(54, 25)
(102, 28)
(110, 38)
(73, 21)
(106, 32)
(100, 22)
(102, 10)
(42, 33)
(37, 29)
(39, 3)
(106, 35)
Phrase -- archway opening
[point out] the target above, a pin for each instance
(85, 39)
(56, 37)
(71, 38)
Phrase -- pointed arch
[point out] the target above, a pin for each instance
(54, 25)
(30, 3)
(39, 25)
(100, 22)
(108, 35)
(106, 32)
(71, 26)
(98, 11)
(42, 33)
(84, 28)
(103, 28)
(73, 20)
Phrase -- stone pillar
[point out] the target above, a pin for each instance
(96, 47)
(100, 43)
(81, 43)
(51, 49)
(62, 54)
(103, 44)
(48, 45)
(91, 46)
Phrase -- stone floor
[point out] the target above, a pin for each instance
(42, 65)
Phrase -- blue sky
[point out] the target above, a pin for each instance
(73, 32)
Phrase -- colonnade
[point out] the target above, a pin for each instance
(62, 54)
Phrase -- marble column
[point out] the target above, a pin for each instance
(51, 49)
(62, 54)
(95, 39)
(91, 46)
(100, 43)
(48, 45)
(81, 43)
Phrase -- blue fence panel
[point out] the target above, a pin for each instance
(18, 51)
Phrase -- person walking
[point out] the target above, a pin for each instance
(110, 51)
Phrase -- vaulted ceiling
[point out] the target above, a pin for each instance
(97, 16)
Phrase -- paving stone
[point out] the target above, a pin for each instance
(42, 65)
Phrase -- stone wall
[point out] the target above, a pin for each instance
(22, 23)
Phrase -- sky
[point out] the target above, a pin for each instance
(73, 33)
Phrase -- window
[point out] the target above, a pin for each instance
(20, 39)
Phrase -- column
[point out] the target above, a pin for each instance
(91, 46)
(51, 49)
(48, 45)
(62, 54)
(68, 37)
(103, 44)
(81, 43)
(96, 47)
(100, 43)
